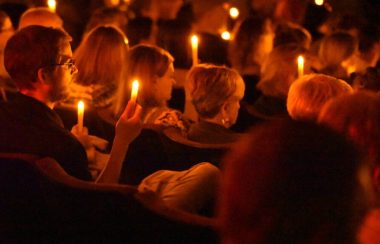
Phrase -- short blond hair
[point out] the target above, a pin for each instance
(210, 87)
(308, 94)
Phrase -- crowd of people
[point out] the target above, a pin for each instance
(302, 161)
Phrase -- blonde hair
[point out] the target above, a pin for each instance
(210, 87)
(101, 57)
(146, 64)
(308, 94)
(279, 71)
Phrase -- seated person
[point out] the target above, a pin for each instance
(357, 117)
(278, 72)
(153, 67)
(308, 94)
(215, 92)
(42, 69)
(292, 182)
(101, 59)
(39, 60)
(334, 50)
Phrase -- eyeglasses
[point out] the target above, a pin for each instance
(70, 62)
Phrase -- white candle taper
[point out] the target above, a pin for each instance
(80, 115)
(300, 62)
(194, 48)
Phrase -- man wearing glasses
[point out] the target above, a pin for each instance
(39, 61)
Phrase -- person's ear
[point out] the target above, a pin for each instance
(376, 178)
(41, 75)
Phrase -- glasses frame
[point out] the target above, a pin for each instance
(70, 62)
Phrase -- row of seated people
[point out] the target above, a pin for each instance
(224, 117)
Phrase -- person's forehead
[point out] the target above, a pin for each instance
(65, 48)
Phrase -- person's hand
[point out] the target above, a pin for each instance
(129, 126)
(85, 139)
(82, 136)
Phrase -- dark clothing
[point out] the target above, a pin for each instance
(29, 126)
(212, 49)
(205, 132)
(271, 107)
(95, 124)
(251, 93)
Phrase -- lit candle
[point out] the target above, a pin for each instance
(135, 90)
(80, 115)
(194, 48)
(300, 61)
(226, 35)
(52, 4)
(234, 13)
(319, 2)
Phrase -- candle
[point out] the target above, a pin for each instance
(234, 12)
(194, 48)
(300, 61)
(135, 90)
(80, 115)
(52, 4)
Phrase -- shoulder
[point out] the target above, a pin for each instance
(166, 117)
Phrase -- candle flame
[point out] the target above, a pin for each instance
(226, 35)
(300, 60)
(135, 85)
(319, 2)
(234, 12)
(126, 41)
(81, 105)
(52, 4)
(135, 90)
(194, 39)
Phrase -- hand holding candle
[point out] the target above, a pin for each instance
(194, 48)
(80, 116)
(300, 62)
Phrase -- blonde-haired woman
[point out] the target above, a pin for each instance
(216, 92)
(153, 68)
(101, 59)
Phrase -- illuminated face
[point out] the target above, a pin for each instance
(62, 75)
(164, 85)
